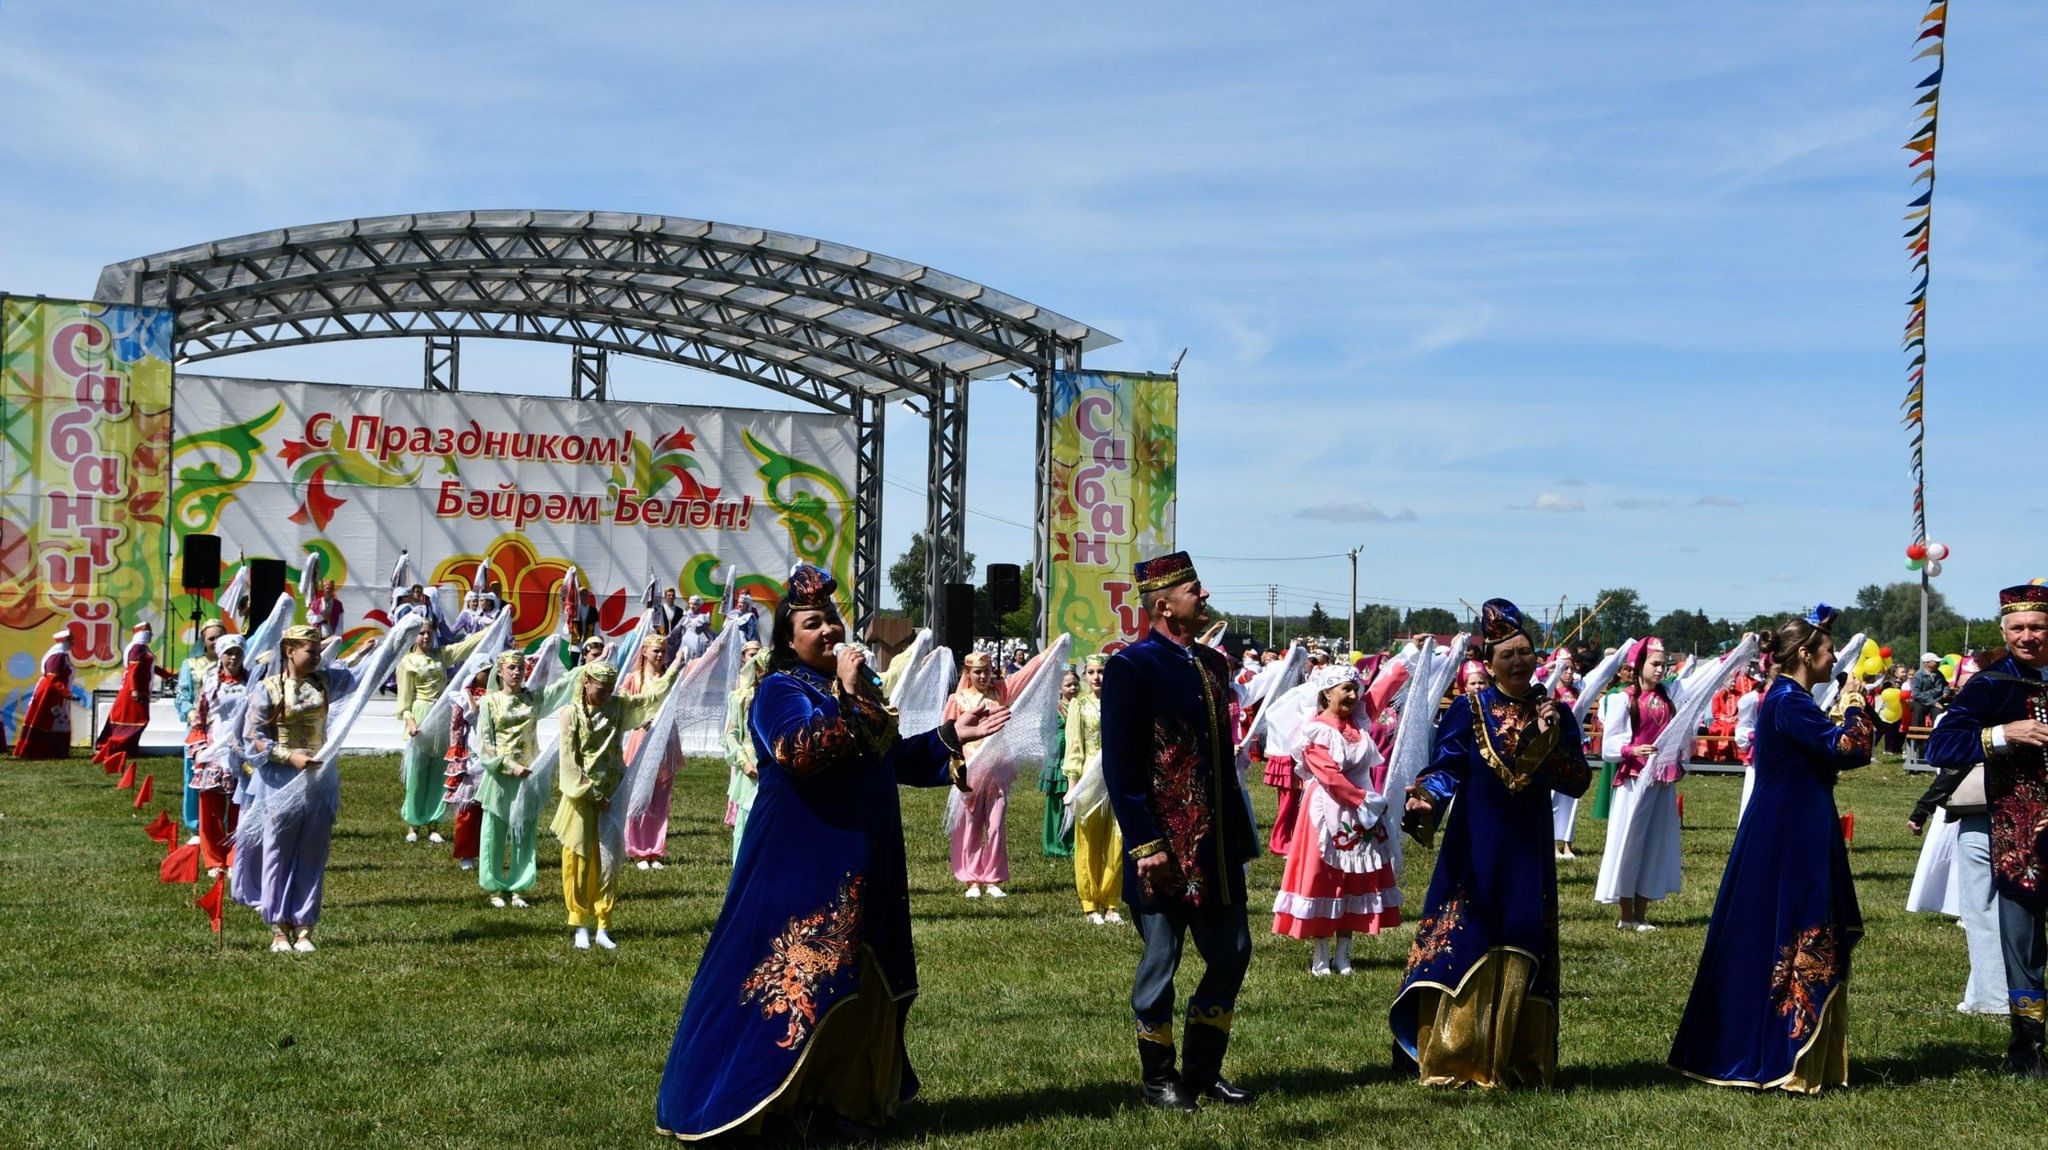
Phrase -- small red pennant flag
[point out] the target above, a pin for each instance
(110, 760)
(143, 792)
(1849, 827)
(181, 865)
(163, 829)
(210, 902)
(127, 773)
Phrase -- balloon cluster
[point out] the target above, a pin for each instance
(1927, 556)
(1870, 663)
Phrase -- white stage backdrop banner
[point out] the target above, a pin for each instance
(530, 487)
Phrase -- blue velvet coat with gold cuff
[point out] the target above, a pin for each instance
(820, 886)
(2015, 778)
(1169, 763)
(1495, 884)
(1778, 945)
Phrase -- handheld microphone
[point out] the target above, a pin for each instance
(867, 671)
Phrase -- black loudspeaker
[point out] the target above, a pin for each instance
(266, 583)
(201, 568)
(1005, 587)
(959, 619)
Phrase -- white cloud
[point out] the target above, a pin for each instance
(1553, 502)
(1355, 513)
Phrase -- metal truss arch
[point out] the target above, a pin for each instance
(830, 325)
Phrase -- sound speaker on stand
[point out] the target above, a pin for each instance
(1005, 587)
(200, 569)
(959, 629)
(266, 583)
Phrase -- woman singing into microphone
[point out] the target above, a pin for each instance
(801, 997)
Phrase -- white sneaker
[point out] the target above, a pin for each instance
(657, 864)
(973, 890)
(641, 865)
(412, 836)
(193, 841)
(1646, 928)
(435, 837)
(304, 945)
(468, 864)
(1095, 917)
(1341, 961)
(1111, 917)
(604, 940)
(280, 945)
(517, 901)
(582, 938)
(995, 891)
(497, 901)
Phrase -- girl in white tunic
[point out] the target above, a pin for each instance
(1641, 862)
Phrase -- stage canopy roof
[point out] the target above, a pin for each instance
(815, 320)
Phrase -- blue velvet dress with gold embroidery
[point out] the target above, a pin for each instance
(1478, 1005)
(1768, 1009)
(807, 977)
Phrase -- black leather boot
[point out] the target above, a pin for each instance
(1203, 1067)
(1162, 1083)
(2023, 1055)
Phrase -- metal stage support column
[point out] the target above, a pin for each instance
(945, 515)
(589, 373)
(444, 362)
(869, 424)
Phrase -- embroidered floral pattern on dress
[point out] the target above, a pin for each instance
(1433, 933)
(809, 951)
(1180, 798)
(1807, 967)
(2015, 856)
(1856, 736)
(818, 744)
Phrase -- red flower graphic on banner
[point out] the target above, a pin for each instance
(532, 585)
(318, 506)
(671, 456)
(21, 608)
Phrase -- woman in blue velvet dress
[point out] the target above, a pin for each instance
(1478, 1005)
(800, 999)
(1769, 1007)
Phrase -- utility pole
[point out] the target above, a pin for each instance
(1272, 601)
(1354, 596)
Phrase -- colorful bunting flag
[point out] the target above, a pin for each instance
(143, 792)
(181, 865)
(211, 903)
(163, 829)
(127, 772)
(1920, 215)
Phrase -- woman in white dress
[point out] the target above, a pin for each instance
(1641, 862)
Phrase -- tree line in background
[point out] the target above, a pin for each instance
(1889, 614)
(906, 579)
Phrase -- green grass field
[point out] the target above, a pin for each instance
(429, 1019)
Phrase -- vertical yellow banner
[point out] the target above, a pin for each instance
(1112, 500)
(85, 426)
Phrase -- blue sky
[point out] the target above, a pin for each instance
(1526, 299)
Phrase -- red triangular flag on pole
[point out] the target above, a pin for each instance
(99, 752)
(127, 772)
(107, 760)
(163, 829)
(143, 792)
(181, 865)
(210, 902)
